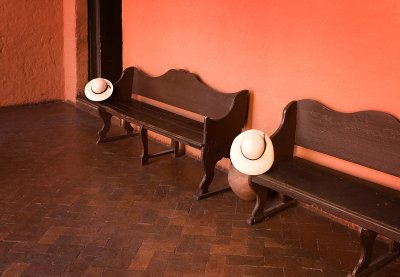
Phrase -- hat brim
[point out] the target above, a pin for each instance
(98, 96)
(252, 167)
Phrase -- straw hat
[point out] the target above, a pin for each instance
(252, 152)
(98, 89)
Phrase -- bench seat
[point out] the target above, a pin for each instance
(338, 193)
(161, 121)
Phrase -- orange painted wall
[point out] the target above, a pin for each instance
(343, 53)
(75, 47)
(31, 51)
(70, 62)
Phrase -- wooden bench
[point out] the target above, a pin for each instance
(367, 138)
(223, 115)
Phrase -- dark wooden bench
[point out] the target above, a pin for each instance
(367, 138)
(223, 115)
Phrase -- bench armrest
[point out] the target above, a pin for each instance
(124, 86)
(284, 137)
(220, 133)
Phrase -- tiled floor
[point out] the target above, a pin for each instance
(69, 207)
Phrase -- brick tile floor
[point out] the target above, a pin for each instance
(69, 207)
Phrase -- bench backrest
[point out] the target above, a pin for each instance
(182, 89)
(368, 138)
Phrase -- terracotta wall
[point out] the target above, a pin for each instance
(75, 47)
(343, 53)
(31, 51)
(69, 61)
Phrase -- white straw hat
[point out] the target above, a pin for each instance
(98, 89)
(252, 152)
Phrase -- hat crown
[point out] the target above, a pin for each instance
(253, 146)
(99, 85)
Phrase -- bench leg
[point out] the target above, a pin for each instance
(106, 117)
(145, 145)
(261, 199)
(145, 156)
(366, 265)
(128, 128)
(176, 149)
(261, 211)
(209, 160)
